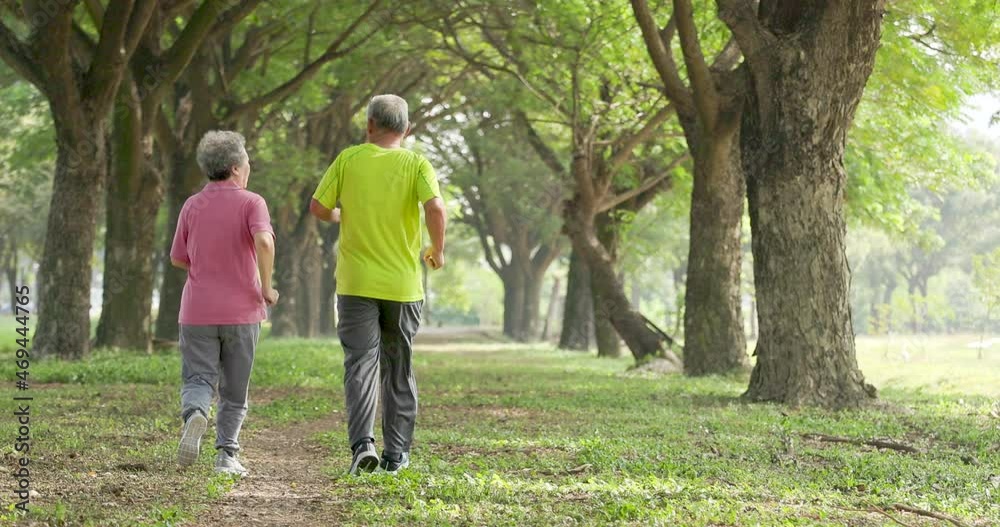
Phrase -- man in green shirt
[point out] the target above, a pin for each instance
(380, 186)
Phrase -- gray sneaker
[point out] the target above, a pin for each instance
(365, 459)
(393, 463)
(227, 463)
(190, 445)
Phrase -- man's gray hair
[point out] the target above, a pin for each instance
(219, 151)
(389, 112)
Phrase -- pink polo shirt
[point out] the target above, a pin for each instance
(215, 237)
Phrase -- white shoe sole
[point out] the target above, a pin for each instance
(194, 428)
(233, 471)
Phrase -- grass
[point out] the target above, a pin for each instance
(522, 435)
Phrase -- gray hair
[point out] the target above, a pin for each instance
(219, 151)
(389, 112)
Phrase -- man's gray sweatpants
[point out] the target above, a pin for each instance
(377, 337)
(223, 356)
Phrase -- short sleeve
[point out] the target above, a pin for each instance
(178, 249)
(258, 219)
(327, 191)
(427, 183)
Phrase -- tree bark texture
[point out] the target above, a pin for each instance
(134, 195)
(608, 341)
(65, 270)
(578, 308)
(714, 341)
(809, 63)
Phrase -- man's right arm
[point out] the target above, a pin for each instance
(323, 205)
(436, 217)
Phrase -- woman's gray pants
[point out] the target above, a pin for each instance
(223, 356)
(377, 337)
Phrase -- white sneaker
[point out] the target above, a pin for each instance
(190, 445)
(228, 464)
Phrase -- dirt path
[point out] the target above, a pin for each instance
(286, 485)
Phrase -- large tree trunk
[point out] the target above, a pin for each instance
(578, 308)
(608, 341)
(793, 138)
(642, 337)
(65, 270)
(135, 192)
(714, 341)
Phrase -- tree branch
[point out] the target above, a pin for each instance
(110, 57)
(543, 150)
(706, 98)
(662, 57)
(333, 51)
(615, 200)
(625, 145)
(19, 57)
(741, 18)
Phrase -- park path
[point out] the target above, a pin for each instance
(286, 485)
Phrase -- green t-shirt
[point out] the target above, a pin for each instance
(380, 191)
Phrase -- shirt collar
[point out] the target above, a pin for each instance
(223, 185)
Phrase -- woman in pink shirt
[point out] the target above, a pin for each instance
(225, 242)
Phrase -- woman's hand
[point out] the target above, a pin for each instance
(270, 296)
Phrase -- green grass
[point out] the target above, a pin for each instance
(518, 435)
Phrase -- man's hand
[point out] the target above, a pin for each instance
(434, 258)
(270, 296)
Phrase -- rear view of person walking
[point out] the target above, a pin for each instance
(224, 240)
(380, 187)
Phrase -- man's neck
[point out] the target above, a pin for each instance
(386, 140)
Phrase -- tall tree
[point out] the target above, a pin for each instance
(512, 202)
(79, 79)
(218, 91)
(709, 111)
(564, 71)
(136, 187)
(808, 63)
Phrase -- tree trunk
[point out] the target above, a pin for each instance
(714, 341)
(550, 313)
(288, 278)
(608, 341)
(185, 180)
(10, 271)
(328, 283)
(678, 274)
(135, 192)
(65, 270)
(310, 276)
(806, 84)
(513, 303)
(532, 302)
(578, 310)
(642, 337)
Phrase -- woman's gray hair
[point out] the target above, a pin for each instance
(219, 151)
(389, 112)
